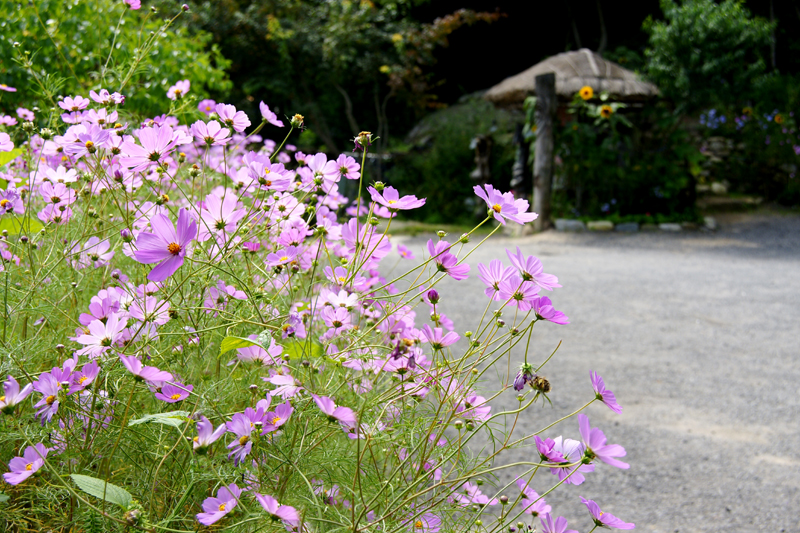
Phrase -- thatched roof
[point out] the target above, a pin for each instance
(573, 70)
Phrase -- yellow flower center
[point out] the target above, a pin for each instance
(196, 439)
(243, 439)
(267, 171)
(174, 248)
(222, 507)
(89, 144)
(178, 93)
(341, 279)
(392, 201)
(4, 202)
(276, 420)
(284, 258)
(298, 117)
(82, 379)
(175, 397)
(418, 524)
(497, 208)
(2, 398)
(50, 400)
(29, 467)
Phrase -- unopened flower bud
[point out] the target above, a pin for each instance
(464, 238)
(181, 157)
(504, 499)
(459, 424)
(185, 7)
(60, 347)
(478, 523)
(470, 425)
(46, 133)
(520, 525)
(500, 323)
(468, 334)
(433, 296)
(297, 121)
(194, 171)
(379, 185)
(132, 517)
(253, 388)
(374, 221)
(24, 239)
(441, 233)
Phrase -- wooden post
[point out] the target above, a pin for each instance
(543, 162)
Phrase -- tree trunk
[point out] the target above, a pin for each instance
(348, 110)
(543, 162)
(603, 33)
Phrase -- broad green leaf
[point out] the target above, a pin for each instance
(302, 349)
(14, 225)
(173, 418)
(7, 157)
(3, 497)
(105, 491)
(233, 343)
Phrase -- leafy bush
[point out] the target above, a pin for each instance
(65, 47)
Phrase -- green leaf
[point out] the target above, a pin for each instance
(300, 350)
(4, 497)
(7, 157)
(14, 225)
(105, 491)
(233, 343)
(265, 339)
(173, 418)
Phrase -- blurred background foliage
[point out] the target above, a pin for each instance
(409, 70)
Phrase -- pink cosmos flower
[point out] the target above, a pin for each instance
(6, 88)
(150, 309)
(605, 396)
(48, 386)
(437, 340)
(103, 97)
(547, 452)
(531, 269)
(270, 356)
(74, 104)
(391, 199)
(337, 319)
(57, 193)
(233, 119)
(241, 426)
(269, 116)
(55, 214)
(348, 167)
(102, 336)
(165, 245)
(492, 276)
(134, 4)
(427, 523)
(504, 206)
(446, 261)
(220, 216)
(96, 251)
(157, 142)
(287, 386)
(7, 120)
(572, 451)
(6, 145)
(474, 496)
(79, 380)
(206, 106)
(531, 503)
(518, 293)
(206, 435)
(275, 419)
(25, 114)
(174, 392)
(344, 415)
(24, 467)
(178, 90)
(404, 252)
(12, 395)
(281, 257)
(557, 526)
(101, 117)
(602, 519)
(225, 502)
(211, 134)
(596, 447)
(150, 374)
(286, 514)
(543, 308)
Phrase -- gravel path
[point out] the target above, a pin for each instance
(698, 335)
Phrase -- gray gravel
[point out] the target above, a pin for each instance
(697, 334)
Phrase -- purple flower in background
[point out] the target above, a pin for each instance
(348, 167)
(134, 4)
(12, 395)
(531, 503)
(605, 396)
(206, 106)
(427, 523)
(206, 434)
(6, 88)
(211, 133)
(404, 252)
(25, 114)
(286, 514)
(602, 519)
(543, 308)
(503, 206)
(345, 415)
(77, 103)
(179, 90)
(174, 392)
(79, 380)
(446, 261)
(492, 276)
(391, 199)
(241, 426)
(165, 246)
(48, 386)
(101, 336)
(278, 417)
(268, 115)
(531, 269)
(24, 467)
(144, 373)
(6, 145)
(557, 526)
(596, 447)
(547, 452)
(215, 508)
(437, 339)
(157, 142)
(233, 119)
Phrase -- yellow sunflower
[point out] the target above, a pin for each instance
(606, 111)
(586, 92)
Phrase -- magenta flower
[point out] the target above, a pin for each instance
(404, 252)
(602, 519)
(89, 142)
(206, 106)
(215, 508)
(557, 526)
(211, 133)
(178, 90)
(174, 392)
(275, 419)
(531, 502)
(6, 144)
(281, 257)
(287, 386)
(134, 4)
(284, 513)
(337, 319)
(57, 193)
(547, 451)
(544, 309)
(437, 339)
(391, 199)
(96, 251)
(101, 336)
(269, 116)
(446, 261)
(345, 415)
(25, 114)
(241, 426)
(504, 206)
(79, 380)
(144, 373)
(24, 467)
(348, 167)
(531, 269)
(605, 396)
(220, 215)
(206, 435)
(12, 395)
(74, 104)
(6, 88)
(165, 246)
(572, 451)
(596, 447)
(233, 119)
(157, 142)
(49, 387)
(520, 293)
(492, 276)
(427, 523)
